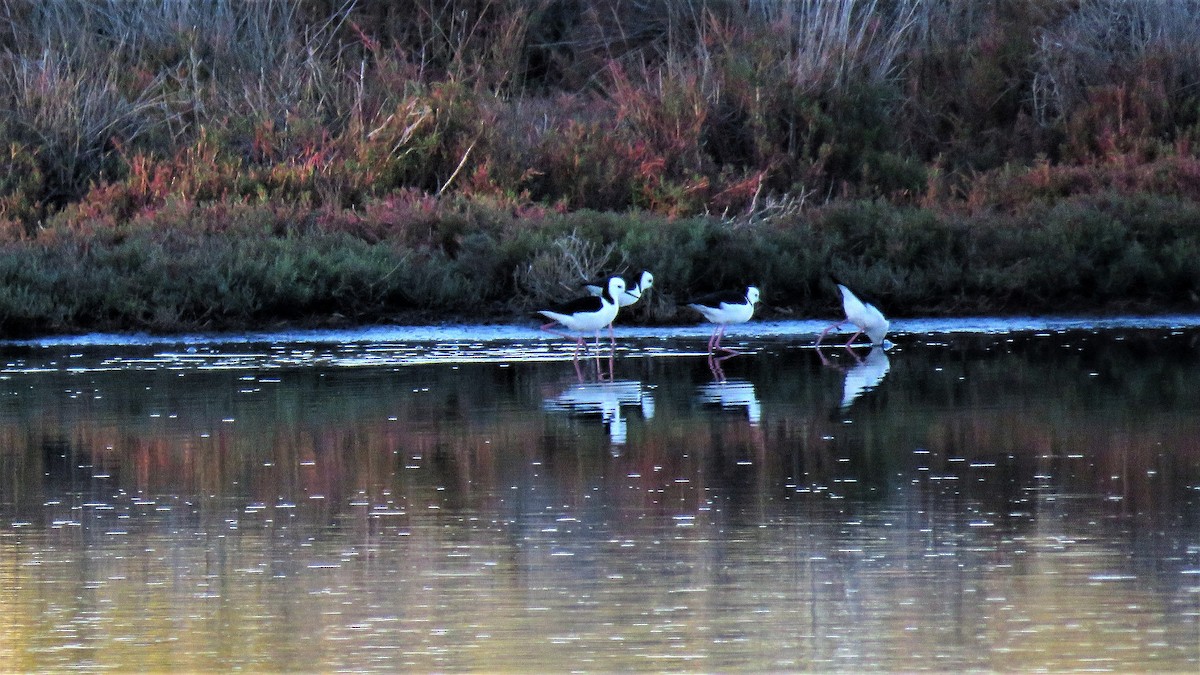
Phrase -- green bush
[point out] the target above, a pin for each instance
(304, 162)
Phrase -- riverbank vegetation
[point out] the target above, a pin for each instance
(213, 165)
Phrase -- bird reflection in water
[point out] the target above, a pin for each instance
(714, 365)
(733, 395)
(865, 375)
(604, 400)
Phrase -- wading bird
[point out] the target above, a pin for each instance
(863, 315)
(586, 315)
(633, 289)
(633, 293)
(724, 308)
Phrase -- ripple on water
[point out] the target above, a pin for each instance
(418, 345)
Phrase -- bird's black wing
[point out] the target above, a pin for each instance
(715, 299)
(588, 303)
(595, 286)
(599, 285)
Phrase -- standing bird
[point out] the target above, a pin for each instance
(587, 314)
(633, 289)
(633, 293)
(865, 316)
(724, 308)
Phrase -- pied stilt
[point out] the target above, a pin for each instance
(587, 314)
(633, 293)
(863, 315)
(633, 288)
(724, 308)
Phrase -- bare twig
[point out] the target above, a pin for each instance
(462, 162)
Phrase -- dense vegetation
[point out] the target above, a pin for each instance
(182, 165)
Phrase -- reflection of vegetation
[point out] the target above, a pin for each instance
(313, 162)
(986, 415)
(443, 513)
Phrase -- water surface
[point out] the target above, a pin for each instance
(984, 495)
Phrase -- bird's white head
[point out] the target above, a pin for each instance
(616, 286)
(646, 281)
(752, 295)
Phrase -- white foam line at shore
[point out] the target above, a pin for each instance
(457, 333)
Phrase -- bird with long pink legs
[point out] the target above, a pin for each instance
(724, 308)
(634, 289)
(588, 314)
(864, 316)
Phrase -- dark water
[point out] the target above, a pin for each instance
(1005, 500)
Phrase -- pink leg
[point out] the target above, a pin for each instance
(546, 327)
(824, 360)
(830, 364)
(728, 350)
(714, 341)
(852, 337)
(827, 329)
(575, 358)
(579, 343)
(714, 365)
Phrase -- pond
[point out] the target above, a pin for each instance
(986, 494)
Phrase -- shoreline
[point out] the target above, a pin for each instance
(512, 332)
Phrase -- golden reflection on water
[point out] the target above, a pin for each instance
(975, 509)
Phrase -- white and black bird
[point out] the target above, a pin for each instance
(634, 288)
(863, 315)
(587, 314)
(724, 308)
(633, 293)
